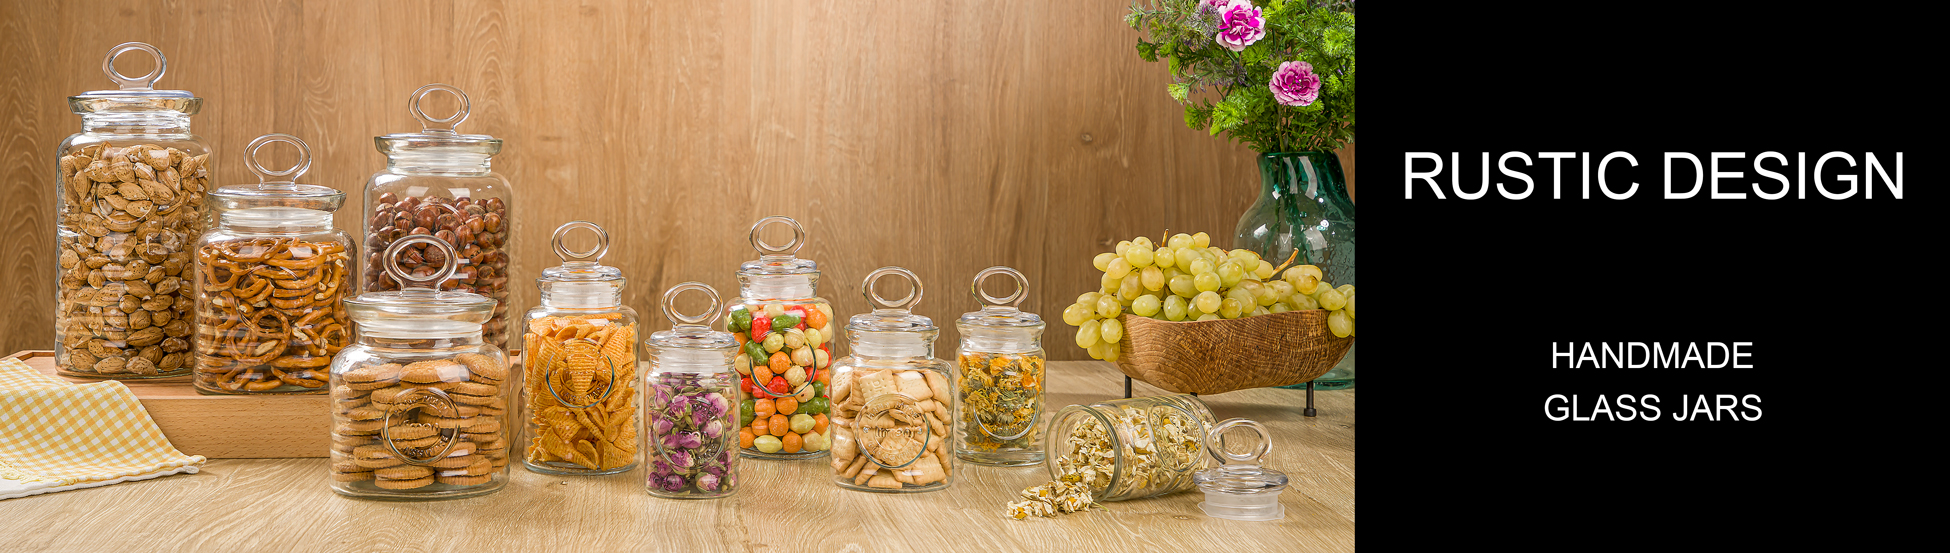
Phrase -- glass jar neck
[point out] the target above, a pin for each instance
(136, 123)
(767, 287)
(891, 345)
(582, 295)
(689, 361)
(445, 163)
(392, 332)
(1001, 339)
(305, 223)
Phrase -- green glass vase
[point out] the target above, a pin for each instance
(1303, 206)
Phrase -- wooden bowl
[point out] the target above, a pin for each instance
(1211, 357)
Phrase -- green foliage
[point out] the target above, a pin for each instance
(1245, 109)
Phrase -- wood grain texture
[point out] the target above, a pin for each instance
(945, 137)
(286, 504)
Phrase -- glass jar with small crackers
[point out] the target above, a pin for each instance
(579, 364)
(420, 401)
(893, 402)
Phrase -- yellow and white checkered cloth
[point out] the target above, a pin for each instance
(57, 436)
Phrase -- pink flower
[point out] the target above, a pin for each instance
(1295, 84)
(1240, 24)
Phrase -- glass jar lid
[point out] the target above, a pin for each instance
(778, 260)
(419, 301)
(580, 266)
(276, 193)
(692, 332)
(890, 316)
(1000, 312)
(135, 94)
(1239, 488)
(437, 136)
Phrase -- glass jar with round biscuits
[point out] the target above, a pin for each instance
(420, 401)
(268, 282)
(579, 359)
(128, 207)
(893, 402)
(787, 339)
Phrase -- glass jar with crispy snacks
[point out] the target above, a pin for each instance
(579, 363)
(893, 405)
(691, 445)
(128, 207)
(1001, 385)
(442, 183)
(420, 401)
(787, 338)
(268, 281)
(1129, 448)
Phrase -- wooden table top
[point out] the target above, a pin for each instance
(286, 504)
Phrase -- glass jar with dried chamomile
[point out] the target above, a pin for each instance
(420, 400)
(893, 406)
(1129, 448)
(128, 207)
(579, 358)
(691, 445)
(268, 282)
(1001, 385)
(787, 338)
(442, 183)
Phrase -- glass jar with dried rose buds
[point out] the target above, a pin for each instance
(893, 402)
(442, 183)
(128, 207)
(268, 280)
(1001, 386)
(419, 400)
(691, 447)
(787, 337)
(579, 352)
(1129, 448)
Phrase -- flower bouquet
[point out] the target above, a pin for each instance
(1283, 71)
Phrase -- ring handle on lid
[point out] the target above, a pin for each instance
(407, 280)
(1216, 445)
(562, 248)
(1013, 300)
(710, 315)
(126, 82)
(445, 125)
(788, 250)
(268, 176)
(906, 303)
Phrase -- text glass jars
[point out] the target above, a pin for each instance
(1001, 384)
(420, 400)
(128, 209)
(787, 337)
(892, 399)
(268, 281)
(442, 183)
(579, 356)
(691, 447)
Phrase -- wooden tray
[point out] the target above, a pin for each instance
(225, 427)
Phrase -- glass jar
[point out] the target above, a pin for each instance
(128, 207)
(419, 399)
(787, 338)
(1001, 385)
(892, 405)
(579, 352)
(1129, 448)
(268, 280)
(441, 183)
(689, 394)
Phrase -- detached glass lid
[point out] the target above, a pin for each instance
(419, 304)
(1004, 312)
(276, 194)
(1239, 488)
(135, 94)
(438, 136)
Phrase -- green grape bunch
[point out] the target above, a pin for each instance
(1187, 279)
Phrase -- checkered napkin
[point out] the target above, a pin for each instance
(58, 436)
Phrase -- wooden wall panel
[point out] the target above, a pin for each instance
(945, 137)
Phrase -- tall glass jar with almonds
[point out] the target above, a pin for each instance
(579, 358)
(1001, 386)
(442, 183)
(893, 402)
(268, 282)
(787, 337)
(420, 400)
(129, 192)
(690, 444)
